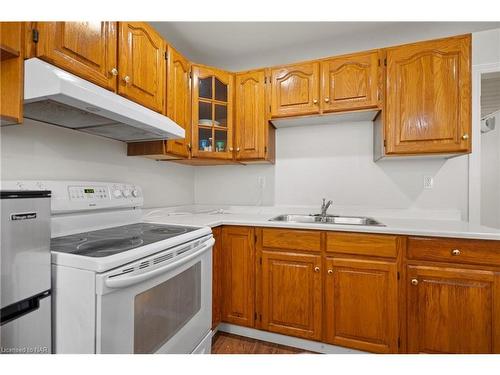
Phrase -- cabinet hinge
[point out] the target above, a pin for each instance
(385, 143)
(166, 55)
(260, 261)
(255, 238)
(399, 276)
(190, 75)
(254, 316)
(265, 80)
(385, 62)
(378, 62)
(34, 35)
(265, 149)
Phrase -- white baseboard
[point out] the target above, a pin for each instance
(276, 338)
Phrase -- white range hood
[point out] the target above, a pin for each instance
(57, 97)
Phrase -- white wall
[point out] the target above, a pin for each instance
(490, 177)
(485, 59)
(35, 150)
(336, 161)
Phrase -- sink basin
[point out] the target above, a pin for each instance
(328, 219)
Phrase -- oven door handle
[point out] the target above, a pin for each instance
(124, 281)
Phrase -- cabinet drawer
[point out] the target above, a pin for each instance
(292, 239)
(454, 250)
(363, 244)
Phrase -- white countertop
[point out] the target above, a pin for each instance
(406, 226)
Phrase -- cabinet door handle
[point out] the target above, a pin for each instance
(327, 100)
(230, 149)
(330, 272)
(237, 149)
(126, 79)
(455, 252)
(316, 269)
(315, 101)
(114, 71)
(414, 282)
(465, 136)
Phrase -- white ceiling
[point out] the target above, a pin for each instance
(246, 45)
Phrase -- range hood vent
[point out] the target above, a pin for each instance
(54, 96)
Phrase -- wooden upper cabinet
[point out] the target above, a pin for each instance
(179, 100)
(361, 304)
(141, 65)
(251, 125)
(86, 49)
(238, 275)
(429, 97)
(295, 90)
(11, 72)
(350, 82)
(212, 113)
(452, 310)
(292, 294)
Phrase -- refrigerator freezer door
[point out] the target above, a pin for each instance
(30, 333)
(25, 247)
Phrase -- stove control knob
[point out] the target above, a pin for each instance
(126, 193)
(135, 193)
(117, 193)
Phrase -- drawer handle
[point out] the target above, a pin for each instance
(414, 282)
(316, 269)
(455, 252)
(330, 272)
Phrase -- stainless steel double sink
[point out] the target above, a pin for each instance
(327, 219)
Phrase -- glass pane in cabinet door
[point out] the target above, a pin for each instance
(204, 113)
(205, 88)
(220, 90)
(220, 141)
(204, 139)
(220, 115)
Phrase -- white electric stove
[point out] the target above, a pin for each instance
(120, 285)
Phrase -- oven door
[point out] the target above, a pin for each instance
(159, 304)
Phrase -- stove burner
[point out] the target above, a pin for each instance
(171, 231)
(114, 240)
(110, 245)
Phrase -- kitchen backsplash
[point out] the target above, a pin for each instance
(336, 162)
(35, 150)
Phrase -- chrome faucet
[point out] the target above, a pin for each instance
(325, 205)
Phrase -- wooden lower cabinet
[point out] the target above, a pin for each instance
(292, 294)
(361, 304)
(330, 288)
(452, 310)
(238, 276)
(217, 278)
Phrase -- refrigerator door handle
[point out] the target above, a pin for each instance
(18, 309)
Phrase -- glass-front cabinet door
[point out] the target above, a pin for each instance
(212, 113)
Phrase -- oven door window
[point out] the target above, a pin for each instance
(163, 310)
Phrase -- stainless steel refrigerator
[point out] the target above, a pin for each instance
(25, 320)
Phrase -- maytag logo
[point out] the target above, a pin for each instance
(23, 216)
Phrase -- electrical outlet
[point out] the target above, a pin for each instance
(428, 182)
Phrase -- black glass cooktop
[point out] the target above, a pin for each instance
(110, 241)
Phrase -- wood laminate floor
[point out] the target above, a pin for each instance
(226, 343)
